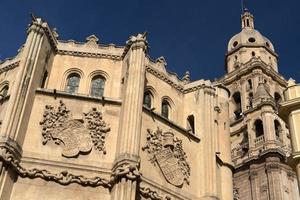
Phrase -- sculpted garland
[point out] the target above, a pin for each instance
(167, 152)
(76, 135)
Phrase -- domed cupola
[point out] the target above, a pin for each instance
(249, 43)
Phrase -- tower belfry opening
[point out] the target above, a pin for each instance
(247, 19)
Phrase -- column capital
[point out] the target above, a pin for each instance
(138, 41)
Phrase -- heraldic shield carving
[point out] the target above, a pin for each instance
(76, 135)
(167, 152)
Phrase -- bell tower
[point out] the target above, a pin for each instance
(260, 141)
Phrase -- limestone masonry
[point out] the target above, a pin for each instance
(87, 121)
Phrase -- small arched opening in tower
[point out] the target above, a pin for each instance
(277, 98)
(250, 99)
(278, 129)
(259, 128)
(236, 97)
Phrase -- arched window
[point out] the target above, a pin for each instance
(147, 99)
(72, 83)
(250, 100)
(191, 123)
(249, 85)
(277, 98)
(97, 86)
(277, 128)
(259, 128)
(165, 106)
(237, 105)
(4, 91)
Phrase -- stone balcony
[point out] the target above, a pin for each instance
(244, 152)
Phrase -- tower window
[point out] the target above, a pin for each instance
(252, 40)
(235, 44)
(250, 86)
(72, 83)
(97, 86)
(4, 91)
(238, 105)
(259, 128)
(250, 99)
(191, 123)
(253, 53)
(277, 128)
(147, 99)
(165, 106)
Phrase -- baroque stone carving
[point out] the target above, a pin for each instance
(153, 195)
(236, 195)
(167, 152)
(63, 178)
(125, 170)
(77, 135)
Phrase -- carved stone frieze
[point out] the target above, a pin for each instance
(236, 195)
(149, 193)
(76, 135)
(167, 152)
(125, 170)
(63, 177)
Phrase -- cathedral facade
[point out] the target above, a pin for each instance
(92, 121)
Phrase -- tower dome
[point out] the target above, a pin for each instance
(249, 44)
(248, 36)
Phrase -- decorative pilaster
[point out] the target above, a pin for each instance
(19, 92)
(274, 180)
(253, 176)
(18, 101)
(126, 169)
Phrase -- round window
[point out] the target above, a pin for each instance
(252, 40)
(235, 44)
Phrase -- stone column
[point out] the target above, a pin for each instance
(20, 88)
(15, 108)
(126, 166)
(269, 129)
(274, 180)
(253, 176)
(225, 145)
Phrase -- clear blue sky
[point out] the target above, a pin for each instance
(192, 34)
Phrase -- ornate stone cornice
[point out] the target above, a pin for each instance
(9, 67)
(164, 78)
(89, 54)
(247, 68)
(177, 86)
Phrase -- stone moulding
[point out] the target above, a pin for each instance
(63, 177)
(167, 152)
(149, 193)
(9, 67)
(127, 170)
(76, 135)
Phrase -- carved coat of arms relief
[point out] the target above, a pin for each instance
(75, 135)
(167, 152)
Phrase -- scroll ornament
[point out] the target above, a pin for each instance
(167, 152)
(76, 135)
